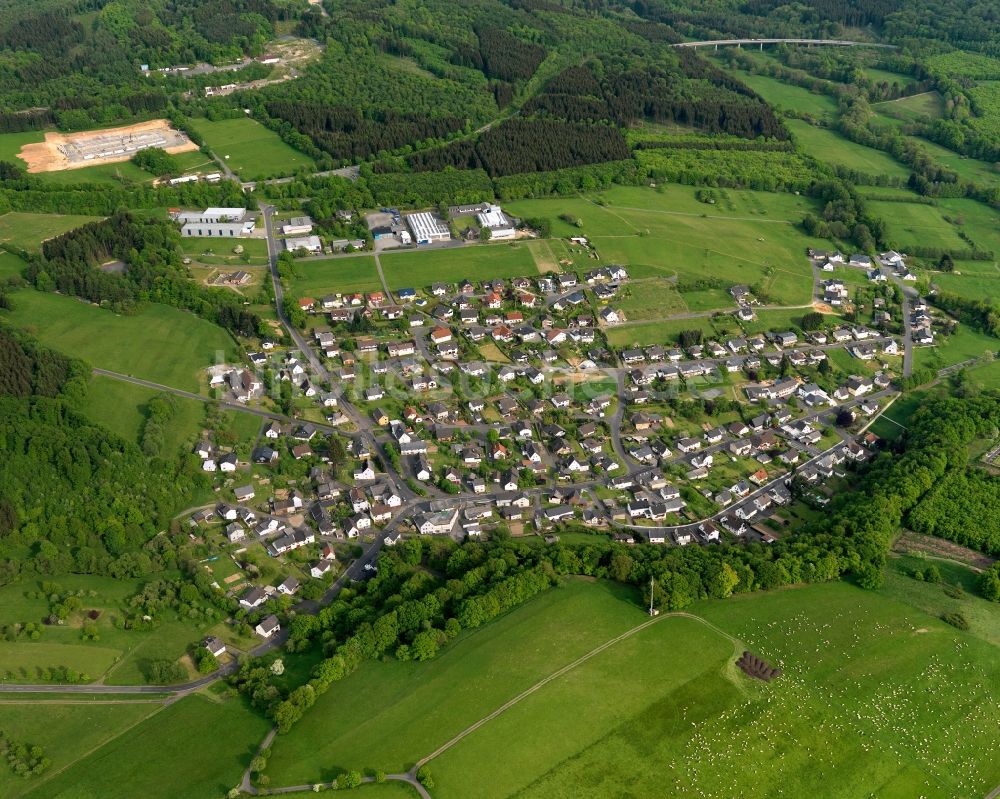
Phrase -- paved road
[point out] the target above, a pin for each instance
(908, 292)
(762, 42)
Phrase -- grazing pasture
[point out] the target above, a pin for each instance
(874, 691)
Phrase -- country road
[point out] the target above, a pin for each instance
(762, 42)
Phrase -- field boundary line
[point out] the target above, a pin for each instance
(560, 672)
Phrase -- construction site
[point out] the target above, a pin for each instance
(62, 151)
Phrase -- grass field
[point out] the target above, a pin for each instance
(707, 299)
(832, 148)
(883, 76)
(979, 222)
(651, 298)
(161, 344)
(926, 104)
(421, 268)
(389, 714)
(120, 407)
(217, 252)
(970, 169)
(875, 692)
(335, 276)
(28, 231)
(663, 332)
(785, 95)
(962, 345)
(22, 659)
(916, 224)
(10, 265)
(66, 733)
(249, 149)
(973, 286)
(195, 748)
(745, 237)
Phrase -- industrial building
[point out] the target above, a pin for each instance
(297, 226)
(427, 228)
(310, 243)
(499, 225)
(225, 222)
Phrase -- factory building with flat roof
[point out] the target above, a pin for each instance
(497, 222)
(427, 228)
(311, 244)
(225, 222)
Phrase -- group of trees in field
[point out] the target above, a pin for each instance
(24, 759)
(153, 272)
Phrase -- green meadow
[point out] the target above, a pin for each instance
(251, 150)
(830, 147)
(909, 224)
(419, 268)
(10, 265)
(160, 343)
(963, 345)
(340, 275)
(196, 748)
(117, 657)
(28, 231)
(744, 237)
(219, 252)
(787, 96)
(66, 732)
(915, 106)
(121, 407)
